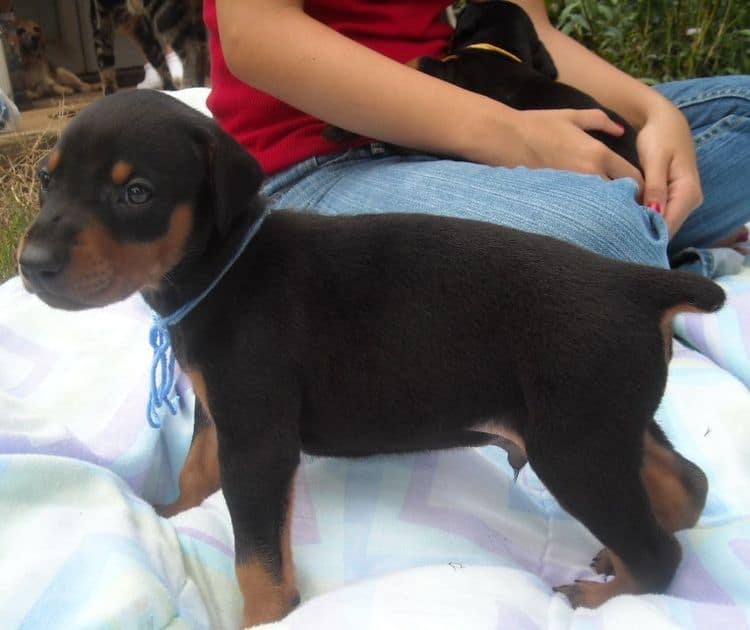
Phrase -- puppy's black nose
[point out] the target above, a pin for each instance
(41, 261)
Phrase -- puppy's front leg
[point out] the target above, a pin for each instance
(257, 473)
(199, 477)
(259, 452)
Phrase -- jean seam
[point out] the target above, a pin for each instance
(728, 122)
(711, 95)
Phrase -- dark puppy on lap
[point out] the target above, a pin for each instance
(496, 52)
(356, 335)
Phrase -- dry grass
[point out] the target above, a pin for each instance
(19, 189)
(18, 198)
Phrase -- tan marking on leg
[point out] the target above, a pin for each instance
(199, 387)
(200, 476)
(663, 475)
(266, 597)
(121, 172)
(506, 435)
(54, 161)
(666, 325)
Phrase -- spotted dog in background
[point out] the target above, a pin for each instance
(41, 77)
(152, 24)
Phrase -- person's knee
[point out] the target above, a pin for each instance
(608, 220)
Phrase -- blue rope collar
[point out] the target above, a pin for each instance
(162, 365)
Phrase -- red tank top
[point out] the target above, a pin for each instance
(279, 135)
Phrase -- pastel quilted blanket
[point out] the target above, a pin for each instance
(438, 540)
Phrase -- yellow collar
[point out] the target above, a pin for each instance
(488, 47)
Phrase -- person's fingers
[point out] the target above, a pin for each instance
(616, 167)
(685, 195)
(656, 186)
(596, 120)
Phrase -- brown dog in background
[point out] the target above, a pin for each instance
(41, 77)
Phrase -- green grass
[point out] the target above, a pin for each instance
(18, 200)
(659, 40)
(14, 218)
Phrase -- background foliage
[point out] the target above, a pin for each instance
(660, 40)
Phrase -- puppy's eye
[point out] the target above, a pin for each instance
(20, 31)
(44, 178)
(137, 193)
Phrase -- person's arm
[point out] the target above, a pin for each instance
(276, 47)
(665, 144)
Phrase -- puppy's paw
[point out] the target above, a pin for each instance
(587, 594)
(269, 610)
(602, 563)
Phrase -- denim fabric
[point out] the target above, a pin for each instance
(583, 209)
(712, 263)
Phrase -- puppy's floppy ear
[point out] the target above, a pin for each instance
(541, 60)
(234, 176)
(468, 26)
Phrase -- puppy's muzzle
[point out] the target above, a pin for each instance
(41, 264)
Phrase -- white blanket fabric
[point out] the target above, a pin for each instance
(438, 540)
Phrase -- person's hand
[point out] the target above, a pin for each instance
(667, 153)
(557, 138)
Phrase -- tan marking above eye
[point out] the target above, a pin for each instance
(121, 172)
(54, 161)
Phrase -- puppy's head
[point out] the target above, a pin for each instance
(505, 25)
(30, 37)
(137, 184)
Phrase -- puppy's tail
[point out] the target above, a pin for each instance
(680, 291)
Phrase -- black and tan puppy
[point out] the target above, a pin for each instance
(496, 52)
(41, 77)
(355, 335)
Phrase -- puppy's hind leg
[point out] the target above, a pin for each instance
(676, 488)
(597, 479)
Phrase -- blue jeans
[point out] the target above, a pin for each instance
(583, 209)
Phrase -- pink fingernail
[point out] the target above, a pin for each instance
(655, 207)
